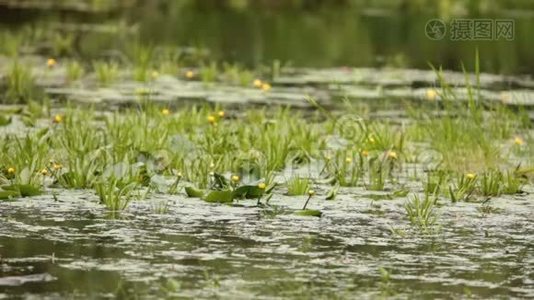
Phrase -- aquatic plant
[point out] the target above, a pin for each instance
(106, 72)
(20, 84)
(421, 213)
(114, 193)
(297, 185)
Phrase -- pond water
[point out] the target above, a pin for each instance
(370, 34)
(65, 244)
(72, 248)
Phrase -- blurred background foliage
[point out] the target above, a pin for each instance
(304, 33)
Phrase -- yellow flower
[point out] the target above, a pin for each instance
(189, 74)
(257, 83)
(155, 74)
(221, 113)
(44, 172)
(262, 186)
(392, 154)
(371, 140)
(211, 119)
(235, 178)
(56, 166)
(348, 160)
(57, 119)
(179, 175)
(51, 62)
(470, 175)
(165, 112)
(519, 141)
(431, 94)
(10, 170)
(365, 153)
(265, 87)
(311, 192)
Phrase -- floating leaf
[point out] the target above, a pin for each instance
(309, 213)
(220, 196)
(7, 195)
(28, 190)
(23, 190)
(194, 193)
(249, 192)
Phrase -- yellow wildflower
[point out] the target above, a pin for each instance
(10, 170)
(519, 141)
(311, 192)
(221, 113)
(265, 87)
(211, 119)
(44, 172)
(189, 74)
(57, 166)
(257, 83)
(235, 178)
(165, 112)
(392, 154)
(348, 160)
(51, 62)
(470, 175)
(262, 185)
(365, 153)
(431, 94)
(57, 119)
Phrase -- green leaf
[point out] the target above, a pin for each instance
(4, 120)
(7, 195)
(23, 190)
(193, 193)
(333, 192)
(219, 181)
(28, 190)
(220, 196)
(309, 213)
(249, 192)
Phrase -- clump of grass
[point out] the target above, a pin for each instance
(20, 84)
(115, 194)
(421, 213)
(75, 71)
(463, 188)
(297, 185)
(106, 72)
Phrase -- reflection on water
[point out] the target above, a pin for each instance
(373, 34)
(71, 247)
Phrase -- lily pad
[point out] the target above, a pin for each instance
(193, 193)
(309, 213)
(23, 190)
(7, 195)
(220, 197)
(249, 192)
